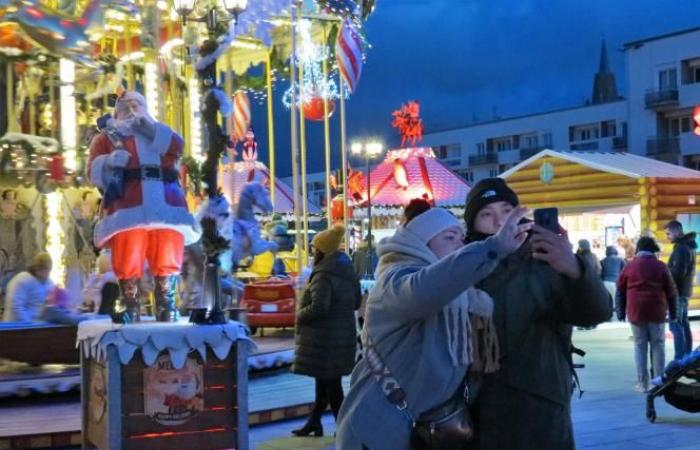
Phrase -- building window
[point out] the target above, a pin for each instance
(502, 144)
(493, 173)
(691, 71)
(449, 151)
(584, 132)
(480, 148)
(667, 79)
(531, 141)
(677, 125)
(608, 128)
(469, 175)
(547, 140)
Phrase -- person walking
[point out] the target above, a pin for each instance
(682, 267)
(325, 333)
(611, 267)
(645, 294)
(417, 321)
(539, 293)
(585, 253)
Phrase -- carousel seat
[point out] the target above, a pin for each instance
(39, 343)
(270, 303)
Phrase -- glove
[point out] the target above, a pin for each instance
(621, 317)
(118, 159)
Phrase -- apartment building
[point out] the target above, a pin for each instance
(654, 119)
(664, 87)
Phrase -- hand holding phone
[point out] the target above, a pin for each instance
(548, 218)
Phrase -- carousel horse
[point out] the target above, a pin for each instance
(243, 229)
(60, 33)
(247, 237)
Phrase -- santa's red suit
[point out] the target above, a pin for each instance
(149, 220)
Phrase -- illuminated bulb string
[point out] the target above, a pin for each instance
(54, 236)
(309, 56)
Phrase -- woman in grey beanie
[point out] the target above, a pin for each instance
(417, 319)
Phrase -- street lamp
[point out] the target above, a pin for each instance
(369, 150)
(216, 140)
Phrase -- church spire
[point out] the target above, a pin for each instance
(604, 85)
(604, 65)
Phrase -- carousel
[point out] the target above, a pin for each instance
(404, 174)
(205, 69)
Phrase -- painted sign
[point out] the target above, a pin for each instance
(173, 396)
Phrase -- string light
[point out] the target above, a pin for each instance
(66, 70)
(310, 56)
(195, 122)
(54, 236)
(151, 85)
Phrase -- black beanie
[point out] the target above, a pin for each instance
(488, 190)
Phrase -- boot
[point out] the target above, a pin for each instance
(166, 311)
(131, 308)
(313, 426)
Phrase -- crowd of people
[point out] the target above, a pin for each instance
(489, 305)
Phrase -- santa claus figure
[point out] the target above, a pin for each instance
(134, 161)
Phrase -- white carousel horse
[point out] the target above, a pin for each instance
(247, 238)
(243, 230)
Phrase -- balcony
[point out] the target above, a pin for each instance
(585, 146)
(486, 158)
(526, 153)
(667, 98)
(619, 143)
(664, 148)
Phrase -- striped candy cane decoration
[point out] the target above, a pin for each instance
(348, 53)
(240, 119)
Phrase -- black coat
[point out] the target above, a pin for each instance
(682, 264)
(325, 335)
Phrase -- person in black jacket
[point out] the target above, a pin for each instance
(611, 267)
(325, 333)
(682, 266)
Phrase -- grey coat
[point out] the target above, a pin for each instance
(325, 335)
(405, 321)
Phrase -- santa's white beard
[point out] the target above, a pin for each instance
(132, 124)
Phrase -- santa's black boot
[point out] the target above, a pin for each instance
(166, 310)
(131, 308)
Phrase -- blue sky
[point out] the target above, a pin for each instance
(467, 59)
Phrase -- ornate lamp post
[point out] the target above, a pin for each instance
(214, 141)
(369, 150)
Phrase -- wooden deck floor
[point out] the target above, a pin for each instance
(54, 421)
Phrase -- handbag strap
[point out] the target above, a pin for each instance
(388, 384)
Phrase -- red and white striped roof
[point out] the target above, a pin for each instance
(234, 176)
(426, 176)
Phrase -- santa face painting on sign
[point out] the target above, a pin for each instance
(134, 161)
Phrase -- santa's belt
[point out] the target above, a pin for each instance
(156, 173)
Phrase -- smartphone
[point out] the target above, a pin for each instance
(548, 218)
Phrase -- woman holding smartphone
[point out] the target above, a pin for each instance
(539, 292)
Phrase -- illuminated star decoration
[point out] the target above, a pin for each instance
(309, 57)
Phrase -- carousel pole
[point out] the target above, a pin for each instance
(52, 96)
(344, 158)
(129, 64)
(9, 89)
(304, 193)
(270, 126)
(103, 45)
(295, 143)
(326, 134)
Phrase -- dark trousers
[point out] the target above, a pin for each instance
(328, 391)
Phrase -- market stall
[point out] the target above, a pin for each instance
(610, 198)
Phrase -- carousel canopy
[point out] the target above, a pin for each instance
(234, 176)
(411, 173)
